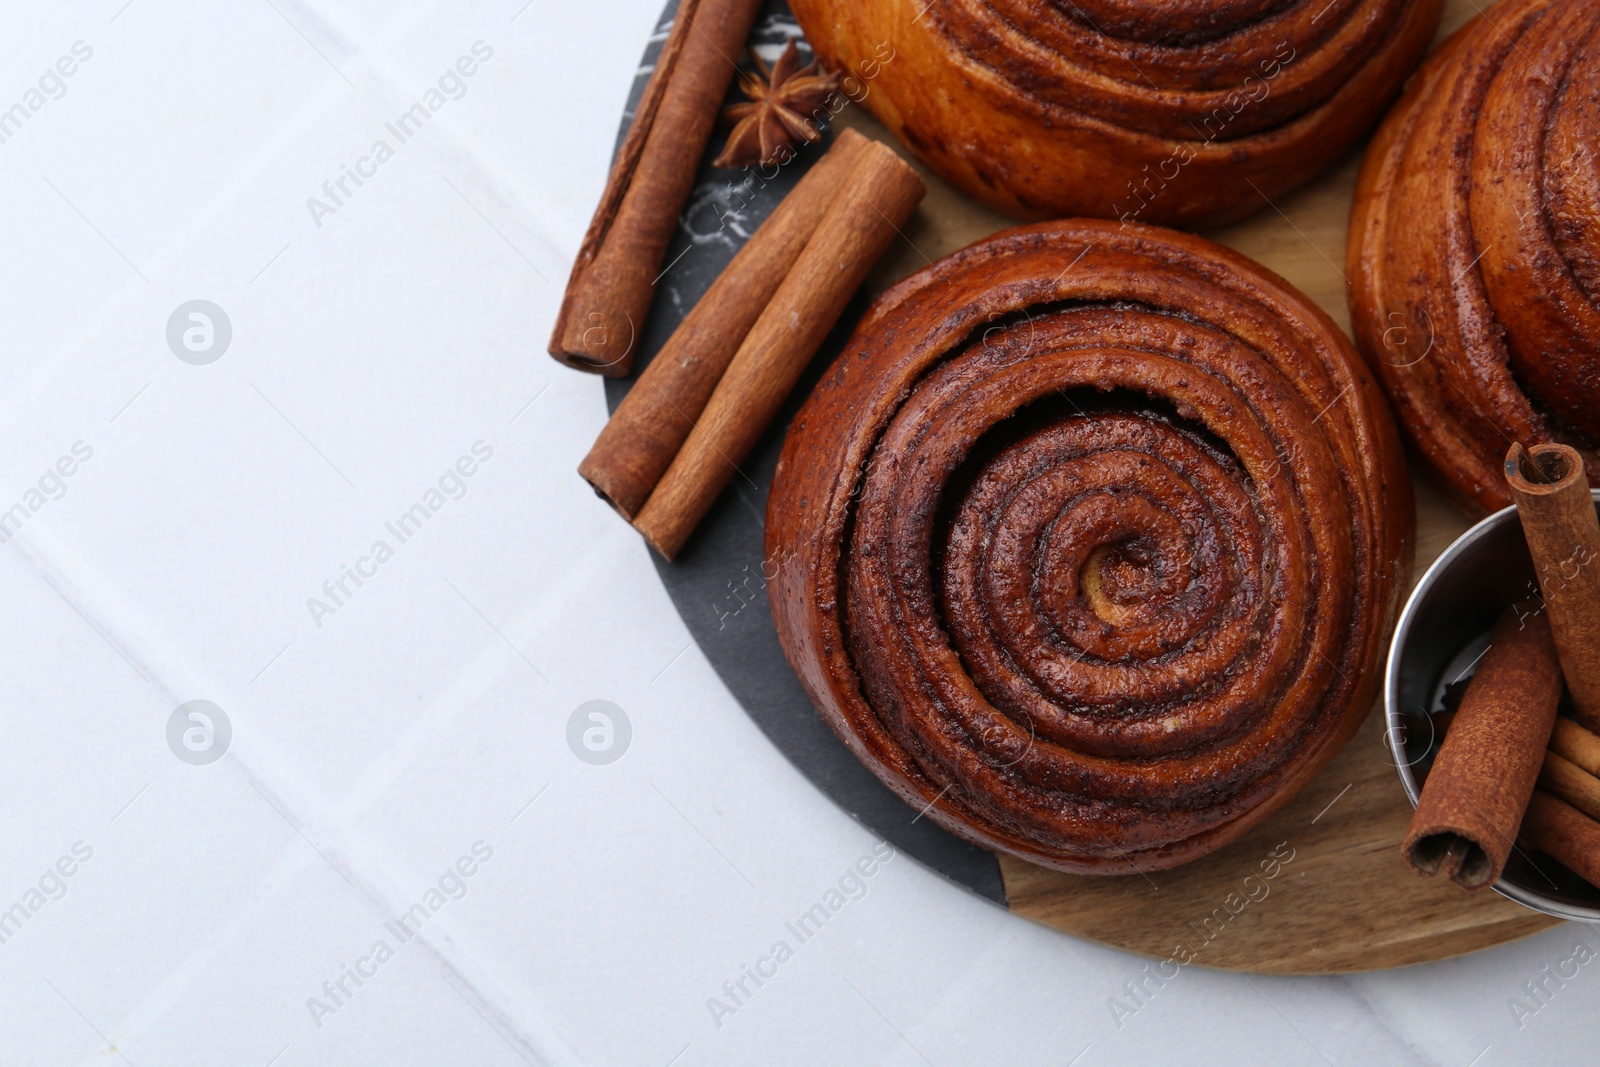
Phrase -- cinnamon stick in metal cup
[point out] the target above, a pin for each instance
(1571, 783)
(1563, 532)
(1563, 832)
(613, 279)
(1576, 745)
(1474, 798)
(880, 194)
(652, 422)
(1571, 769)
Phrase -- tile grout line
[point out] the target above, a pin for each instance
(133, 642)
(121, 628)
(475, 161)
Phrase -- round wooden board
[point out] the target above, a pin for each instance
(1320, 887)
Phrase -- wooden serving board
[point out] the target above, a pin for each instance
(1339, 897)
(1320, 887)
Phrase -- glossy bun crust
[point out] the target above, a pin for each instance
(1090, 542)
(1475, 246)
(1182, 113)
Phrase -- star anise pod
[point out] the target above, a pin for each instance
(784, 104)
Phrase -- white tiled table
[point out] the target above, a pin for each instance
(376, 340)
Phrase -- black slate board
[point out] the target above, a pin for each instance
(718, 582)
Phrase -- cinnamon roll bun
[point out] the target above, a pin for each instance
(1089, 543)
(1474, 254)
(1180, 113)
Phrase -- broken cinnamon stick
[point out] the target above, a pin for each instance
(880, 194)
(608, 293)
(1564, 833)
(1474, 797)
(1563, 532)
(650, 425)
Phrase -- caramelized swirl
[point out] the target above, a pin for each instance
(1475, 251)
(1089, 542)
(1157, 112)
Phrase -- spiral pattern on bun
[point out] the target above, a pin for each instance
(1475, 246)
(1089, 543)
(1178, 113)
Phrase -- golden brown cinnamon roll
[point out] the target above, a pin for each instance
(1179, 113)
(1089, 543)
(1475, 245)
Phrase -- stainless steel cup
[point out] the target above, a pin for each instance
(1443, 629)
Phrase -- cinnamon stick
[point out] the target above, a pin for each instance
(1563, 532)
(1576, 744)
(1571, 764)
(1565, 834)
(608, 293)
(1474, 797)
(881, 193)
(652, 422)
(1571, 783)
